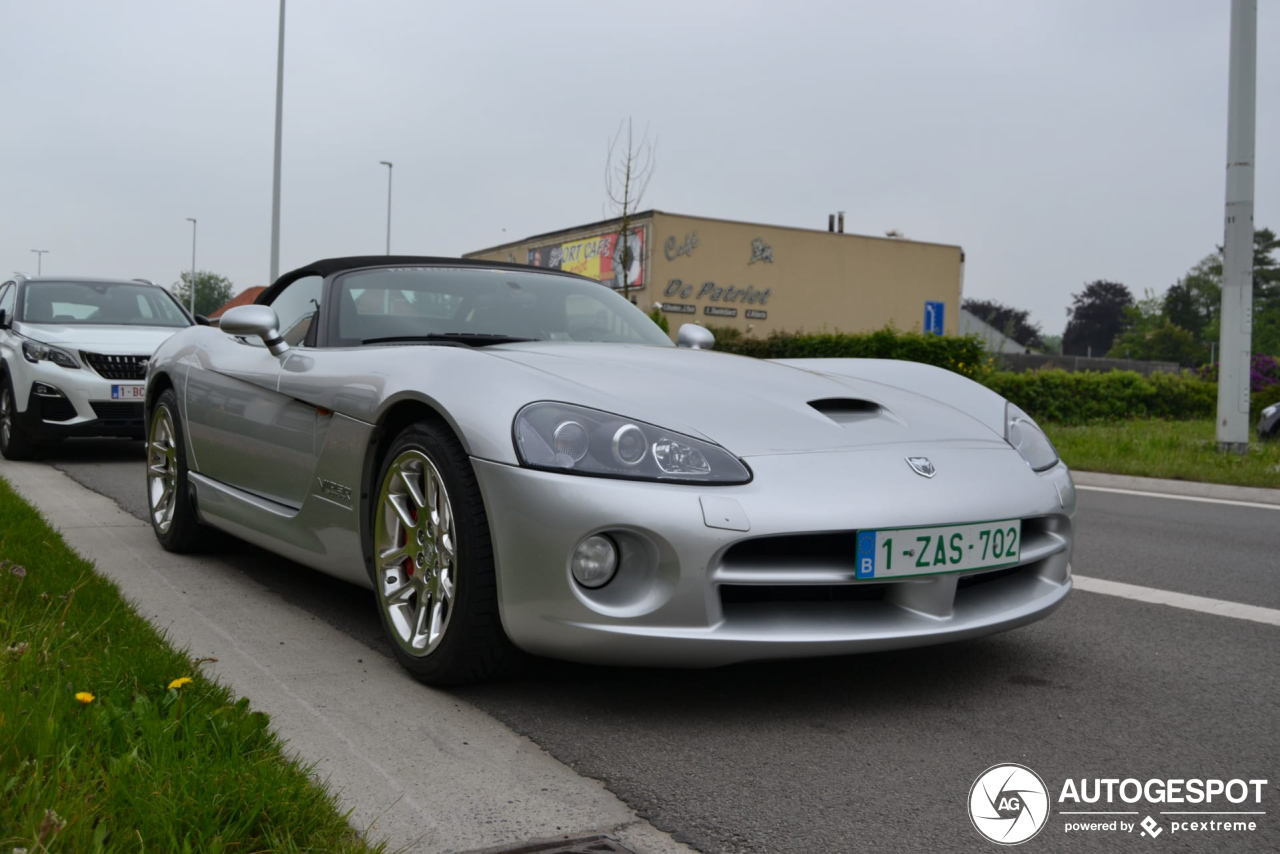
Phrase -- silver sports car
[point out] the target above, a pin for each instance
(519, 459)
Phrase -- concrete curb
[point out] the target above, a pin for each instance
(1190, 488)
(416, 767)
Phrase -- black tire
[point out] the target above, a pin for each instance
(15, 443)
(183, 532)
(473, 646)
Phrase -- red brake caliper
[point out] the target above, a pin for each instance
(408, 561)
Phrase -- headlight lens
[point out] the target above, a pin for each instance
(34, 351)
(1028, 439)
(577, 440)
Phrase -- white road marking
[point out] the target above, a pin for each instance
(1230, 501)
(1203, 604)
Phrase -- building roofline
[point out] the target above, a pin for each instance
(652, 211)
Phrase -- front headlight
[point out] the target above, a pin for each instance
(34, 351)
(577, 440)
(1028, 439)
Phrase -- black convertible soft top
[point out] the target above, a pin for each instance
(328, 266)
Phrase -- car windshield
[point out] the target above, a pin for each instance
(475, 302)
(99, 303)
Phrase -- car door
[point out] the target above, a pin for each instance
(243, 431)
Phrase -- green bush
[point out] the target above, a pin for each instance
(1063, 397)
(962, 355)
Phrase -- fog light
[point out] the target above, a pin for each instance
(595, 561)
(46, 390)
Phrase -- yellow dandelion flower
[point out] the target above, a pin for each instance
(179, 682)
(85, 697)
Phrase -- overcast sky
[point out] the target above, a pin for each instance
(1057, 142)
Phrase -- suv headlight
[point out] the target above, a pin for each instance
(34, 351)
(1028, 439)
(577, 440)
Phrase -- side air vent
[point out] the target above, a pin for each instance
(844, 410)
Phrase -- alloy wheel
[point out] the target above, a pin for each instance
(415, 553)
(6, 415)
(162, 469)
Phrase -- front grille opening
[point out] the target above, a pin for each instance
(56, 408)
(756, 594)
(115, 367)
(842, 546)
(846, 410)
(115, 412)
(984, 577)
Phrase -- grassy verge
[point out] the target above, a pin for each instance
(1180, 450)
(111, 740)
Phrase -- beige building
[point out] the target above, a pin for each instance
(760, 278)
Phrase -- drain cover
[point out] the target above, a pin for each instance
(585, 845)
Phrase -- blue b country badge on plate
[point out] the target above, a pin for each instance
(866, 554)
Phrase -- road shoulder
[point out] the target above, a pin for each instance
(1185, 488)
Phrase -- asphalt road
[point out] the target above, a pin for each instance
(877, 752)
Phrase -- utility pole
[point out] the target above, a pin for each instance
(192, 283)
(275, 180)
(1237, 267)
(40, 253)
(387, 163)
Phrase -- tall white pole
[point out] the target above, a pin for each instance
(275, 180)
(387, 163)
(1237, 266)
(192, 283)
(40, 253)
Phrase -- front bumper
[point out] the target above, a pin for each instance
(690, 594)
(82, 407)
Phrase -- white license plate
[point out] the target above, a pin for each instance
(901, 552)
(128, 392)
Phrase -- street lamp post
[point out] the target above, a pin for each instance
(40, 253)
(192, 283)
(387, 163)
(275, 179)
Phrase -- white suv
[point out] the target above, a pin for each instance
(73, 357)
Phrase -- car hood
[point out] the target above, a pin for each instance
(758, 407)
(120, 340)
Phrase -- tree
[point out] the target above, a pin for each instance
(626, 177)
(1194, 301)
(1095, 318)
(1015, 323)
(212, 291)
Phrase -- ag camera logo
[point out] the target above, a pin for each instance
(1008, 804)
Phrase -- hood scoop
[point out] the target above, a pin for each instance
(846, 410)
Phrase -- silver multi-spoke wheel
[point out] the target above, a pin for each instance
(162, 468)
(415, 553)
(6, 415)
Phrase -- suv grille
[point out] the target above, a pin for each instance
(118, 367)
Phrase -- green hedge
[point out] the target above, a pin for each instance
(963, 355)
(1054, 396)
(1064, 397)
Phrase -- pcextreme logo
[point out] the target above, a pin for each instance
(1010, 803)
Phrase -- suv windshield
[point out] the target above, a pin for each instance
(420, 302)
(99, 303)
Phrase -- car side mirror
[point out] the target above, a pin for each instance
(695, 337)
(259, 320)
(201, 320)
